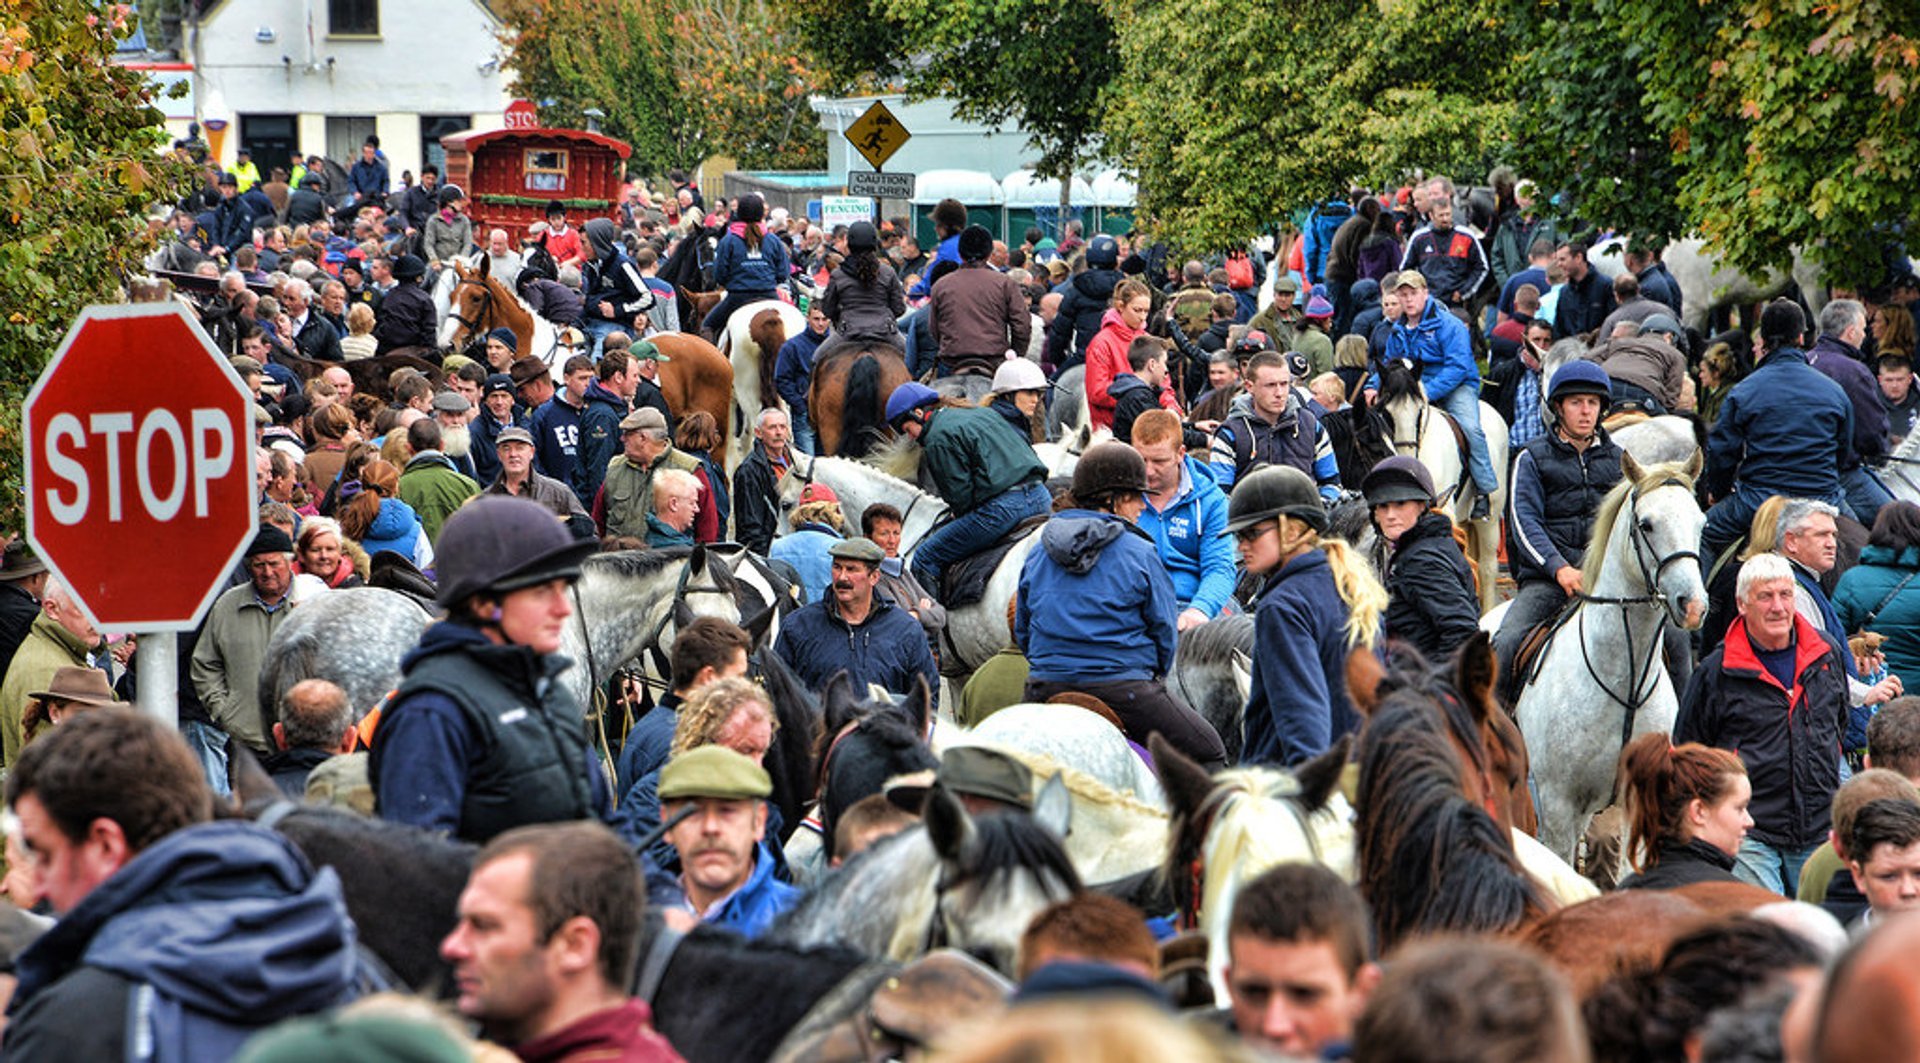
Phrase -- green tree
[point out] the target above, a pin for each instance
(82, 145)
(679, 80)
(1236, 113)
(1043, 65)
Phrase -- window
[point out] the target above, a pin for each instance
(353, 18)
(546, 169)
(435, 126)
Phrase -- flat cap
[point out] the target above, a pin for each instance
(642, 419)
(451, 402)
(515, 434)
(986, 773)
(1285, 283)
(858, 549)
(713, 771)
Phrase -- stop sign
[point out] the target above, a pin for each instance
(140, 479)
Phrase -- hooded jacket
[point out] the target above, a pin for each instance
(1199, 560)
(611, 277)
(600, 437)
(228, 925)
(741, 269)
(1438, 343)
(1095, 602)
(1321, 227)
(397, 528)
(1365, 299)
(434, 488)
(1106, 360)
(1131, 397)
(1083, 305)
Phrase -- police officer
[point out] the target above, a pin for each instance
(1430, 595)
(1558, 483)
(1321, 603)
(481, 737)
(1096, 608)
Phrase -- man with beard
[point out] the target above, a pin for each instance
(854, 629)
(452, 411)
(430, 483)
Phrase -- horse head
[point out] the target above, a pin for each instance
(996, 874)
(863, 743)
(469, 304)
(1400, 391)
(1660, 549)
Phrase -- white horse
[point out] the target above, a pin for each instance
(974, 632)
(1901, 473)
(1707, 283)
(1422, 430)
(1599, 681)
(1662, 440)
(1118, 824)
(753, 358)
(1060, 458)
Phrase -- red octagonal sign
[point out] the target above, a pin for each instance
(140, 483)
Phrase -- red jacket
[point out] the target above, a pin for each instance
(1106, 359)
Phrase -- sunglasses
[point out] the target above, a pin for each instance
(1247, 535)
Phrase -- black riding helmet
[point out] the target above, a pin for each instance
(1274, 491)
(497, 544)
(1398, 479)
(1108, 469)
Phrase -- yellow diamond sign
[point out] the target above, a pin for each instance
(877, 134)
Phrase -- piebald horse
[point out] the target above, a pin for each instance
(751, 343)
(1423, 431)
(1598, 682)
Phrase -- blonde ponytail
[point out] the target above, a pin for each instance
(1360, 589)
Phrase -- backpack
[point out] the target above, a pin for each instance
(1239, 270)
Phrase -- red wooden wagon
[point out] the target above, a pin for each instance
(513, 175)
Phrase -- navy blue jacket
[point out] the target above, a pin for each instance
(1841, 363)
(226, 921)
(599, 441)
(1657, 284)
(888, 649)
(1555, 494)
(486, 446)
(556, 439)
(1299, 705)
(1786, 429)
(742, 270)
(793, 369)
(1096, 604)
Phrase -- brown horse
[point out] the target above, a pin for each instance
(371, 375)
(702, 303)
(694, 375)
(847, 401)
(480, 303)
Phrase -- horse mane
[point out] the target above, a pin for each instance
(1235, 834)
(1608, 514)
(1214, 643)
(769, 333)
(1430, 860)
(899, 458)
(1398, 381)
(635, 564)
(881, 745)
(791, 760)
(1007, 842)
(1080, 784)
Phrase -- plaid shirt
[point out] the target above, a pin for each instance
(1527, 423)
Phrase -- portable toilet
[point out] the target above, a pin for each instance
(977, 190)
(1033, 200)
(1114, 197)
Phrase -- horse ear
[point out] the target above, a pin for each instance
(949, 827)
(1186, 783)
(919, 707)
(1365, 674)
(838, 708)
(1473, 673)
(1694, 464)
(484, 266)
(1053, 806)
(253, 789)
(1319, 777)
(682, 614)
(1629, 468)
(758, 627)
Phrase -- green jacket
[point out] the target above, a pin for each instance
(1319, 351)
(627, 491)
(434, 488)
(227, 662)
(47, 649)
(974, 457)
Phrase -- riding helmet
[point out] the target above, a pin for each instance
(862, 236)
(1274, 491)
(1580, 377)
(1103, 252)
(451, 194)
(907, 398)
(1398, 479)
(1018, 374)
(409, 268)
(1108, 469)
(1252, 342)
(496, 544)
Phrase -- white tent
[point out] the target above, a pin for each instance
(1111, 188)
(972, 187)
(1023, 189)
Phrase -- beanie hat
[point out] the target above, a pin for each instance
(505, 335)
(976, 243)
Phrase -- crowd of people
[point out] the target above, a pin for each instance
(148, 918)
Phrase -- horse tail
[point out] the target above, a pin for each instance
(769, 333)
(859, 412)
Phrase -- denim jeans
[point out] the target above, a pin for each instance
(716, 318)
(1865, 493)
(1731, 518)
(803, 438)
(973, 532)
(597, 330)
(1770, 868)
(209, 745)
(1463, 405)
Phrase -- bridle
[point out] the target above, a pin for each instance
(486, 305)
(1288, 794)
(1642, 670)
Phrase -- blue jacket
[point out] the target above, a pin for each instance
(396, 528)
(648, 744)
(805, 548)
(369, 178)
(1319, 237)
(793, 369)
(1786, 429)
(888, 649)
(740, 269)
(1095, 602)
(1841, 363)
(1439, 344)
(947, 250)
(1299, 705)
(598, 441)
(753, 907)
(556, 439)
(228, 923)
(1198, 559)
(486, 448)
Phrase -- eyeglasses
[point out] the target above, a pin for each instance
(1247, 535)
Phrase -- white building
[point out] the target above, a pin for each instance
(300, 77)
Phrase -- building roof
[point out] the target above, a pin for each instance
(472, 140)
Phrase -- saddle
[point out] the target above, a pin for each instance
(965, 581)
(896, 1015)
(1626, 414)
(1527, 659)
